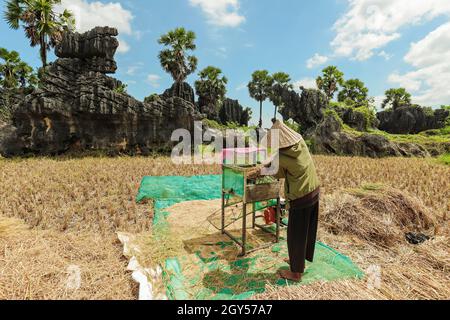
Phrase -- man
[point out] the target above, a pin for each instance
(302, 191)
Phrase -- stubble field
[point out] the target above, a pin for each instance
(59, 214)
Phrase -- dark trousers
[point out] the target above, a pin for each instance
(302, 235)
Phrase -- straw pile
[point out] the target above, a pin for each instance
(376, 214)
(369, 226)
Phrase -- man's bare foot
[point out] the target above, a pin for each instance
(292, 276)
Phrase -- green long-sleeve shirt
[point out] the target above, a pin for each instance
(297, 167)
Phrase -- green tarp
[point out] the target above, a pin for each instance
(210, 276)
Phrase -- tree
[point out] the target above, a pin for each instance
(355, 91)
(281, 82)
(212, 85)
(259, 89)
(396, 98)
(330, 80)
(174, 60)
(14, 72)
(42, 25)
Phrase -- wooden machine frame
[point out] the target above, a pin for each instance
(253, 193)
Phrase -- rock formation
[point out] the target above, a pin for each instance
(229, 111)
(79, 107)
(232, 111)
(305, 109)
(411, 119)
(181, 90)
(359, 118)
(325, 131)
(329, 138)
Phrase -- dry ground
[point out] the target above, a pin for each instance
(69, 211)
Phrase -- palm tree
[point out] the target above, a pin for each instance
(259, 89)
(212, 85)
(15, 72)
(8, 68)
(174, 59)
(354, 90)
(42, 25)
(330, 80)
(396, 98)
(281, 83)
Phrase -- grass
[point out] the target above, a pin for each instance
(422, 138)
(445, 159)
(71, 210)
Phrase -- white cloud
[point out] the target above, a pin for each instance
(385, 55)
(133, 69)
(308, 83)
(378, 101)
(316, 60)
(369, 25)
(430, 57)
(89, 15)
(124, 47)
(153, 80)
(222, 13)
(241, 87)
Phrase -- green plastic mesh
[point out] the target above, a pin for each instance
(206, 274)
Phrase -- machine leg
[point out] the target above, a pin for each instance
(278, 219)
(253, 216)
(244, 230)
(223, 213)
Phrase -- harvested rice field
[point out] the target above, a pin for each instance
(57, 216)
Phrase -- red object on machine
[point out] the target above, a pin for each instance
(270, 215)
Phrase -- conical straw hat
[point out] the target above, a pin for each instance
(287, 136)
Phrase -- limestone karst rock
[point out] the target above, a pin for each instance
(327, 135)
(306, 108)
(412, 119)
(232, 111)
(78, 106)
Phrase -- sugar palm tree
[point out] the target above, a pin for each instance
(281, 83)
(259, 89)
(212, 85)
(43, 26)
(397, 98)
(14, 72)
(174, 59)
(330, 80)
(7, 68)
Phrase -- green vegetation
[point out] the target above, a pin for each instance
(330, 80)
(420, 138)
(396, 98)
(445, 159)
(259, 89)
(355, 91)
(152, 98)
(14, 72)
(212, 85)
(281, 82)
(293, 125)
(230, 125)
(174, 60)
(43, 26)
(122, 88)
(332, 112)
(367, 112)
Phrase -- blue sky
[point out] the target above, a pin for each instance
(385, 43)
